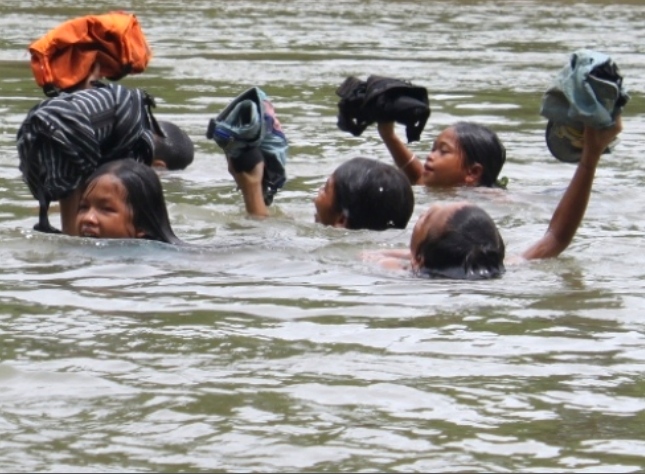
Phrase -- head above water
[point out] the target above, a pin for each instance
(481, 145)
(175, 150)
(459, 241)
(365, 194)
(466, 153)
(124, 199)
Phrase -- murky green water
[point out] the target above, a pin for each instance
(272, 346)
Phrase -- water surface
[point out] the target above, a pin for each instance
(271, 346)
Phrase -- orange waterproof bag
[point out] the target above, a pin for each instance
(65, 55)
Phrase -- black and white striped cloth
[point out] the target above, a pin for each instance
(64, 139)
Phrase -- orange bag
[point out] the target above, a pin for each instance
(65, 55)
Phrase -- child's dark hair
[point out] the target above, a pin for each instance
(176, 149)
(144, 196)
(481, 145)
(372, 195)
(471, 248)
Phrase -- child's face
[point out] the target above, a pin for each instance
(445, 164)
(326, 213)
(103, 211)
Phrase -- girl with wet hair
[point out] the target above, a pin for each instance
(365, 194)
(460, 240)
(360, 194)
(464, 154)
(124, 199)
(470, 247)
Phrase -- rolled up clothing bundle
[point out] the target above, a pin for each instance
(588, 90)
(65, 55)
(64, 139)
(249, 132)
(382, 99)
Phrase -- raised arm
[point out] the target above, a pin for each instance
(404, 159)
(250, 184)
(571, 208)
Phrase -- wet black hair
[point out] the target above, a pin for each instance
(470, 248)
(175, 148)
(481, 145)
(144, 196)
(372, 195)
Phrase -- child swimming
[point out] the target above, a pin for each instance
(124, 199)
(460, 240)
(360, 194)
(464, 154)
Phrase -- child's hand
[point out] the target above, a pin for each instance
(597, 140)
(246, 179)
(250, 184)
(385, 128)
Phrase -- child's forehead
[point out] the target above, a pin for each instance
(107, 184)
(448, 134)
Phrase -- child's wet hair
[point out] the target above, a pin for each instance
(470, 248)
(175, 149)
(144, 196)
(372, 195)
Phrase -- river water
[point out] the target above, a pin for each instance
(270, 345)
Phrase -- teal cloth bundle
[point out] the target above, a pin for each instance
(588, 90)
(248, 130)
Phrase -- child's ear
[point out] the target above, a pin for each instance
(341, 220)
(160, 164)
(474, 174)
(140, 234)
(416, 262)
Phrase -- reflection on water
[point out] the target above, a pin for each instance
(270, 345)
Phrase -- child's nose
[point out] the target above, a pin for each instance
(89, 217)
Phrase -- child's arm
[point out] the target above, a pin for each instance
(393, 259)
(250, 184)
(404, 159)
(571, 209)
